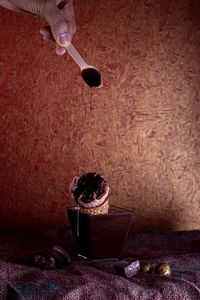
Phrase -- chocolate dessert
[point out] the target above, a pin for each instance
(90, 191)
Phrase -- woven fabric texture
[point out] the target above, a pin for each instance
(97, 279)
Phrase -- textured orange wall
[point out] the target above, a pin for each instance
(143, 132)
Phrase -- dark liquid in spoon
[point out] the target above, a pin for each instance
(92, 77)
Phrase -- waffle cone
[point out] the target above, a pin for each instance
(98, 210)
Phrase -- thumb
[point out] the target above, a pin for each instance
(58, 26)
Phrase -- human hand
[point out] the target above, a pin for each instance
(58, 13)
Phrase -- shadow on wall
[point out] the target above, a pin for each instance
(153, 206)
(154, 220)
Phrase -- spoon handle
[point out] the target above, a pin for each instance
(70, 49)
(76, 56)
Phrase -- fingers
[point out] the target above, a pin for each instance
(59, 30)
(68, 13)
(47, 36)
(60, 16)
(46, 33)
(58, 24)
(60, 50)
(58, 13)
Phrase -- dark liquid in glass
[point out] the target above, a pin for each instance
(92, 77)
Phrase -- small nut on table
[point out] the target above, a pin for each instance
(163, 269)
(146, 267)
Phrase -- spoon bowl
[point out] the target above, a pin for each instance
(89, 73)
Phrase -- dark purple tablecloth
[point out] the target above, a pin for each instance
(97, 280)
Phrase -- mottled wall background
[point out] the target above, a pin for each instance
(143, 132)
